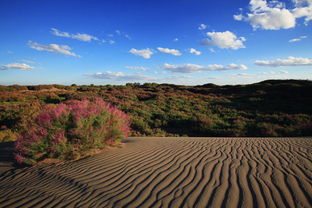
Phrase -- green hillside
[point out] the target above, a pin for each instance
(268, 108)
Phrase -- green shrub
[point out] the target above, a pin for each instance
(70, 130)
(7, 135)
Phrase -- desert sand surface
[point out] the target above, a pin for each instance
(172, 172)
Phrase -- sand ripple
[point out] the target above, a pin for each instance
(173, 172)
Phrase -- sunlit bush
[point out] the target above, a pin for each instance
(7, 135)
(70, 130)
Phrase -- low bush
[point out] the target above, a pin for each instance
(70, 130)
(7, 135)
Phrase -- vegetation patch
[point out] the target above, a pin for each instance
(270, 108)
(71, 130)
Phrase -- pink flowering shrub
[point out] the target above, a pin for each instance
(71, 129)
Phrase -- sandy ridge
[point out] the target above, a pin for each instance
(173, 172)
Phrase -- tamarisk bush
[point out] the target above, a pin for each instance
(70, 130)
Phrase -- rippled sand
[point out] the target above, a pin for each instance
(172, 172)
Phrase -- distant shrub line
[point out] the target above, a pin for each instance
(270, 108)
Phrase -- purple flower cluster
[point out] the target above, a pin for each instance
(71, 127)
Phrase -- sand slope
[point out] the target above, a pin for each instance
(173, 172)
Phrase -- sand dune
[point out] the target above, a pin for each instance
(172, 172)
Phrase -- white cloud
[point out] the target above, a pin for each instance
(225, 39)
(302, 2)
(242, 75)
(125, 35)
(194, 51)
(111, 42)
(16, 66)
(202, 27)
(217, 67)
(145, 53)
(297, 39)
(188, 68)
(140, 68)
(238, 17)
(27, 61)
(120, 76)
(84, 37)
(175, 39)
(128, 37)
(303, 9)
(212, 50)
(59, 33)
(274, 72)
(184, 68)
(118, 32)
(274, 15)
(290, 61)
(237, 66)
(170, 51)
(54, 48)
(274, 19)
(78, 36)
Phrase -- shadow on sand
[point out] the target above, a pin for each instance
(7, 161)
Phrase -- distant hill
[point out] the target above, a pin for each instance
(267, 108)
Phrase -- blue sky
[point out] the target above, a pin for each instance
(180, 41)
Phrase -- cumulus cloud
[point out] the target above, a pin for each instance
(297, 39)
(194, 51)
(290, 61)
(274, 15)
(224, 40)
(140, 68)
(218, 67)
(53, 48)
(302, 2)
(238, 17)
(303, 9)
(170, 51)
(56, 32)
(188, 68)
(184, 68)
(78, 36)
(202, 27)
(145, 53)
(237, 66)
(19, 66)
(120, 76)
(84, 37)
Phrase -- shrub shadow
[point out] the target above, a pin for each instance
(7, 161)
